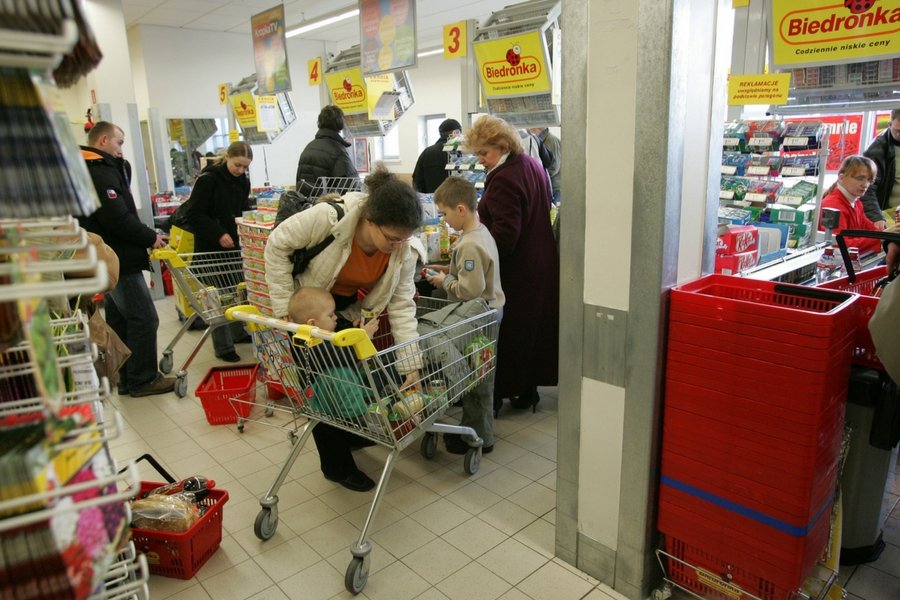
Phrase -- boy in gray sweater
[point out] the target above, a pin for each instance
(474, 272)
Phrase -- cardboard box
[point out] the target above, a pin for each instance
(735, 239)
(791, 215)
(730, 264)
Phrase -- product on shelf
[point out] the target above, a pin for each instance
(736, 216)
(734, 239)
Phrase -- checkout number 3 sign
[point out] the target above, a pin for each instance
(455, 40)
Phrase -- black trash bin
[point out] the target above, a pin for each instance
(865, 474)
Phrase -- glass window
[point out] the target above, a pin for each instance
(390, 145)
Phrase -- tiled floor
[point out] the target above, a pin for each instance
(438, 533)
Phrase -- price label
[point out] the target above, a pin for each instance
(755, 197)
(726, 195)
(792, 200)
(741, 203)
(796, 141)
(760, 141)
(793, 171)
(455, 40)
(731, 141)
(758, 170)
(729, 169)
(314, 71)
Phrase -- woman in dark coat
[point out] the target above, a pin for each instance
(515, 207)
(326, 155)
(221, 193)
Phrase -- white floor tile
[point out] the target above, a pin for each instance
(473, 582)
(512, 560)
(553, 582)
(436, 560)
(287, 559)
(238, 582)
(320, 581)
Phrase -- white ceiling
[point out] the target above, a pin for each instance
(234, 16)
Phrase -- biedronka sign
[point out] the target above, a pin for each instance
(813, 32)
(513, 66)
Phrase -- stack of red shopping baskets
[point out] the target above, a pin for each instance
(756, 379)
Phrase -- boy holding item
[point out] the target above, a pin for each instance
(474, 272)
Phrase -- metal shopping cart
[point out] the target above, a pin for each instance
(211, 282)
(341, 379)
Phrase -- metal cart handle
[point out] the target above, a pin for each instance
(863, 233)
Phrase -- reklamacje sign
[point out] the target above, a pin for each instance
(809, 32)
(513, 66)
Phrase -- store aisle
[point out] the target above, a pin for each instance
(438, 534)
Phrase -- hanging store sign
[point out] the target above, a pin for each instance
(314, 71)
(814, 32)
(348, 90)
(269, 51)
(380, 96)
(513, 66)
(387, 35)
(267, 113)
(456, 40)
(244, 107)
(758, 89)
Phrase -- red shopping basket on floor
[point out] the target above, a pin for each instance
(226, 393)
(181, 555)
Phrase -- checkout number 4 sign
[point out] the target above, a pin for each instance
(314, 70)
(455, 40)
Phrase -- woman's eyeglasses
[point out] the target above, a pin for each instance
(393, 240)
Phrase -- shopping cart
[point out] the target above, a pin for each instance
(341, 379)
(331, 185)
(211, 282)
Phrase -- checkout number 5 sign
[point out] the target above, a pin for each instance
(456, 40)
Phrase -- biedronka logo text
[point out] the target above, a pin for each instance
(849, 23)
(348, 94)
(513, 68)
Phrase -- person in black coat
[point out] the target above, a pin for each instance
(431, 168)
(130, 311)
(882, 195)
(326, 155)
(220, 194)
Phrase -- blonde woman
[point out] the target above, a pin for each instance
(515, 208)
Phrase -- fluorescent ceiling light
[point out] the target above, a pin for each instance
(430, 52)
(320, 22)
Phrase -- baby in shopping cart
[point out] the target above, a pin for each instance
(338, 387)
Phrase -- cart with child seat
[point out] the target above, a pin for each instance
(211, 282)
(343, 380)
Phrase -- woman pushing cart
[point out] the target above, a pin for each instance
(341, 380)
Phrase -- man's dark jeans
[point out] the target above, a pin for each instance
(132, 315)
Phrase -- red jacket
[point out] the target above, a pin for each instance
(852, 217)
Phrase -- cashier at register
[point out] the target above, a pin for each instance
(854, 177)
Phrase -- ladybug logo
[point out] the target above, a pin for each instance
(347, 85)
(859, 6)
(514, 55)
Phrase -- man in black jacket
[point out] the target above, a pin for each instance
(884, 194)
(326, 155)
(431, 168)
(129, 308)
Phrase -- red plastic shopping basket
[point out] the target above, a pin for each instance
(226, 393)
(181, 555)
